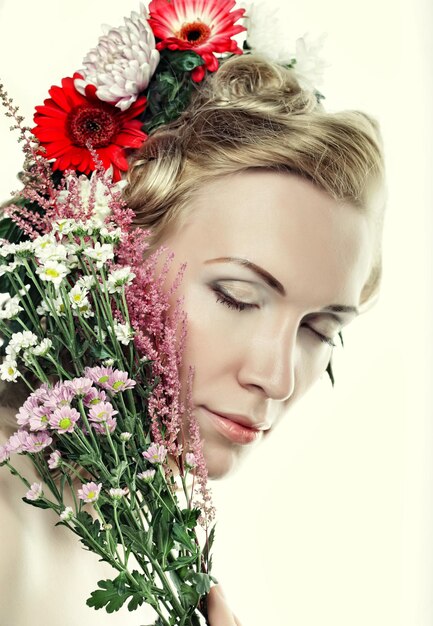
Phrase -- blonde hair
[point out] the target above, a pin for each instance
(252, 113)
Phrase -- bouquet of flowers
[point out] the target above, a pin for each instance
(86, 326)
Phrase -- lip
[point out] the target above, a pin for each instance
(236, 428)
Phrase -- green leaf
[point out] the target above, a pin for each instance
(182, 537)
(184, 61)
(208, 545)
(188, 596)
(201, 582)
(190, 517)
(112, 594)
(39, 504)
(118, 471)
(180, 562)
(92, 527)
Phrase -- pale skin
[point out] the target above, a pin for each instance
(275, 269)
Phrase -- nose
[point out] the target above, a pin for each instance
(268, 363)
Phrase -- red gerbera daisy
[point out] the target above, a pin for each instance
(204, 26)
(68, 121)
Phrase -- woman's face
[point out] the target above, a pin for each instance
(275, 269)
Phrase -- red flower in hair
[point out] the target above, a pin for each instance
(204, 27)
(67, 122)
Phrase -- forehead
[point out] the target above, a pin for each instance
(313, 244)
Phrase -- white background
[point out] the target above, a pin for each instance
(330, 523)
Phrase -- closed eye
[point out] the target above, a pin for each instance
(223, 297)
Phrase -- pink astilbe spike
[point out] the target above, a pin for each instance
(202, 491)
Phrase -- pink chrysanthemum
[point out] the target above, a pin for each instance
(99, 375)
(155, 453)
(147, 476)
(35, 492)
(103, 427)
(63, 420)
(5, 454)
(60, 396)
(203, 27)
(94, 397)
(17, 441)
(80, 386)
(102, 412)
(118, 492)
(119, 381)
(36, 442)
(54, 460)
(39, 419)
(90, 492)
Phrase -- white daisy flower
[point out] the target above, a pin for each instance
(43, 348)
(101, 253)
(53, 271)
(118, 278)
(123, 333)
(9, 371)
(78, 296)
(9, 306)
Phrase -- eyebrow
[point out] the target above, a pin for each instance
(278, 287)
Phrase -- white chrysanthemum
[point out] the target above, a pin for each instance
(43, 348)
(63, 226)
(84, 309)
(9, 371)
(113, 235)
(67, 514)
(53, 271)
(51, 252)
(20, 341)
(24, 249)
(118, 278)
(9, 306)
(101, 253)
(123, 332)
(267, 35)
(123, 62)
(8, 269)
(310, 65)
(78, 296)
(57, 305)
(86, 282)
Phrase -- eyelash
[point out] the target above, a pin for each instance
(231, 303)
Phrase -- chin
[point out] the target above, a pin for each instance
(222, 460)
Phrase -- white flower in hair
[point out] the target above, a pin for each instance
(310, 65)
(267, 35)
(123, 62)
